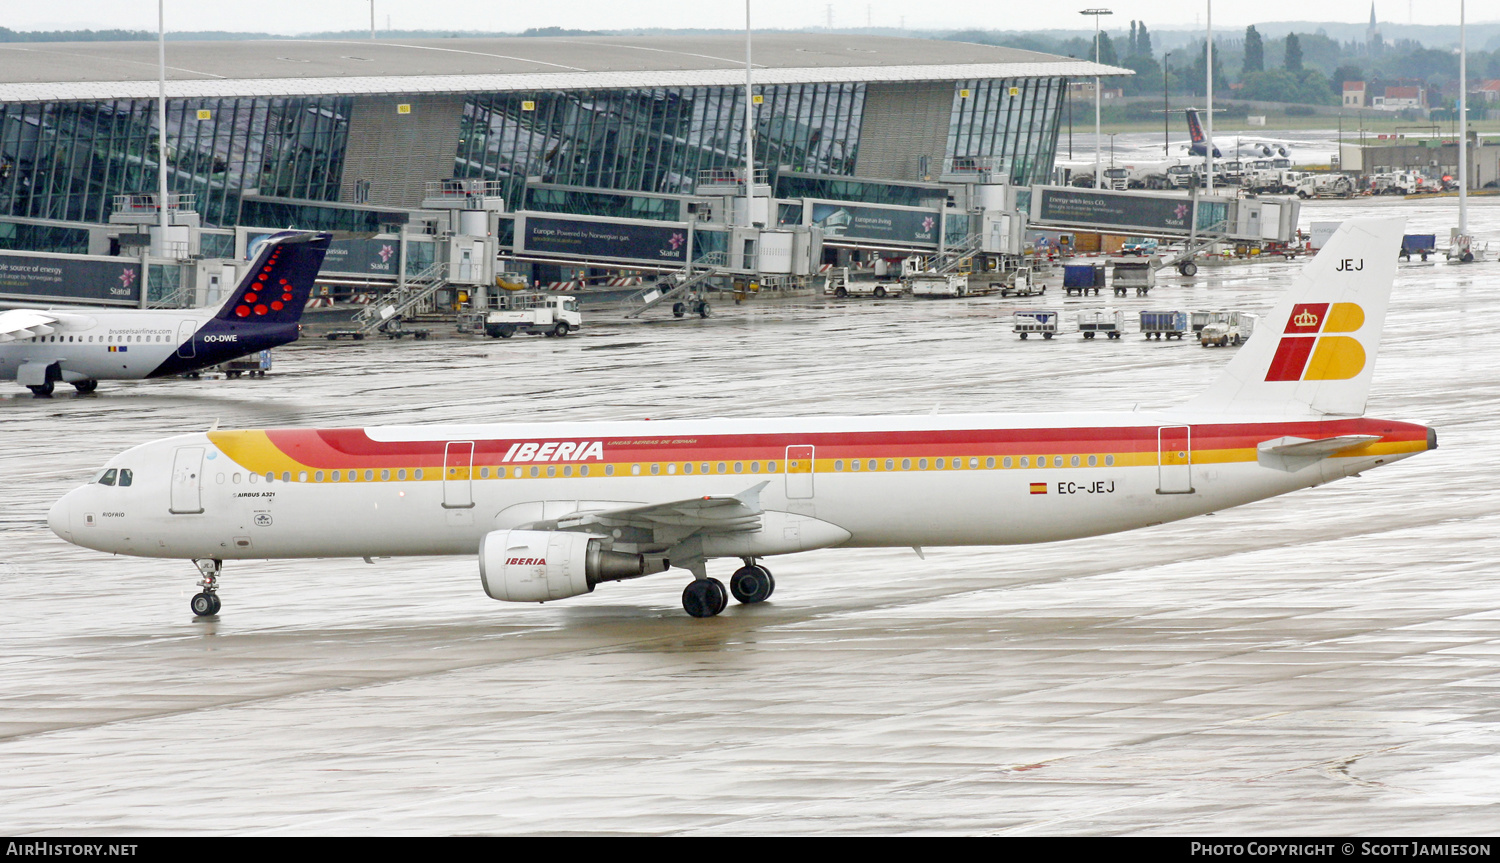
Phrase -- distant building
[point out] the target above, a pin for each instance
(1401, 99)
(1487, 91)
(1355, 94)
(1083, 91)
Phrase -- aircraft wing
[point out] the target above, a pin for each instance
(18, 324)
(668, 523)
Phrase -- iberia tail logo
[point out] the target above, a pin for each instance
(1308, 353)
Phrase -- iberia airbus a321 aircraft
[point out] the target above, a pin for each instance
(39, 347)
(552, 510)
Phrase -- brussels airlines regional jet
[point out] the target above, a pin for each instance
(39, 347)
(552, 510)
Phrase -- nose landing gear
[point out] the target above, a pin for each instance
(206, 604)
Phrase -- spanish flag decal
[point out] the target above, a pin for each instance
(1038, 488)
(1308, 353)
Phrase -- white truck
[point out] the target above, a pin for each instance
(841, 285)
(1225, 328)
(534, 314)
(937, 284)
(1325, 186)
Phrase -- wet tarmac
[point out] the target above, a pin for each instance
(1322, 663)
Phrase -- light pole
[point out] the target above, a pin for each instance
(1166, 108)
(1098, 130)
(1208, 120)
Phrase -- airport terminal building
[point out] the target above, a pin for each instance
(355, 136)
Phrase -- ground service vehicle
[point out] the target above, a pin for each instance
(839, 284)
(1325, 186)
(1164, 325)
(1043, 323)
(1092, 322)
(535, 314)
(548, 511)
(937, 284)
(1418, 244)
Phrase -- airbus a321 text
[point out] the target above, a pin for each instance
(553, 510)
(40, 347)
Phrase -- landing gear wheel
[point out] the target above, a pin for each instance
(42, 391)
(751, 584)
(1187, 268)
(704, 597)
(205, 605)
(704, 311)
(678, 310)
(86, 387)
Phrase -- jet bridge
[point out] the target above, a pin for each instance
(1171, 216)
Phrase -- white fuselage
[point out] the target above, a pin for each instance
(439, 490)
(108, 345)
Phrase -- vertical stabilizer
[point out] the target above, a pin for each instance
(1314, 354)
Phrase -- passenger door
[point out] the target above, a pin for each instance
(458, 470)
(187, 481)
(1174, 449)
(799, 472)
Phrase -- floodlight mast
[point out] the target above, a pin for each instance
(1098, 134)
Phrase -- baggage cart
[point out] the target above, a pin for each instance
(1043, 322)
(1134, 274)
(1418, 244)
(1081, 278)
(1164, 325)
(1092, 322)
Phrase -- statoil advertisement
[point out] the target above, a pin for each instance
(882, 224)
(102, 279)
(597, 239)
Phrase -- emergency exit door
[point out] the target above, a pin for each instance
(185, 347)
(1174, 451)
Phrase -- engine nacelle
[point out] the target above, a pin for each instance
(542, 565)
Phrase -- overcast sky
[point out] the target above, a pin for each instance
(302, 16)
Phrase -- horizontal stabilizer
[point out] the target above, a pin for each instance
(1295, 453)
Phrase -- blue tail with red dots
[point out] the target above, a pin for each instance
(280, 282)
(264, 311)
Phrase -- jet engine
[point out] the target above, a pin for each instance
(542, 565)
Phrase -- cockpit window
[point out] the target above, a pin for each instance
(108, 477)
(125, 476)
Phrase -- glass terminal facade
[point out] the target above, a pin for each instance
(252, 160)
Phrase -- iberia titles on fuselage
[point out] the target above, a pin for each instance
(552, 510)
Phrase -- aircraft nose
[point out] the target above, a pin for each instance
(59, 519)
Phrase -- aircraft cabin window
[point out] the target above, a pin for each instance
(318, 476)
(704, 467)
(369, 476)
(1093, 460)
(1109, 460)
(890, 464)
(939, 463)
(301, 476)
(286, 476)
(583, 470)
(385, 475)
(568, 469)
(108, 477)
(484, 473)
(719, 467)
(906, 464)
(552, 469)
(974, 463)
(838, 464)
(219, 479)
(655, 470)
(1025, 462)
(418, 474)
(770, 467)
(853, 464)
(672, 468)
(739, 467)
(534, 470)
(401, 474)
(609, 470)
(518, 472)
(687, 468)
(635, 470)
(1057, 461)
(922, 464)
(254, 478)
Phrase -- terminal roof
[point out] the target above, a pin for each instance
(64, 71)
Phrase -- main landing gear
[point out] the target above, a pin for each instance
(706, 597)
(206, 604)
